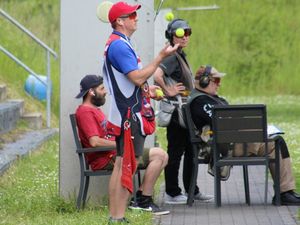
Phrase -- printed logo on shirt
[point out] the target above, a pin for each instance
(207, 108)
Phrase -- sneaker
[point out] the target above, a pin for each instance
(225, 172)
(288, 198)
(203, 197)
(155, 209)
(178, 199)
(149, 206)
(134, 205)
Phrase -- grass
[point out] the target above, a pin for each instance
(259, 53)
(42, 19)
(13, 135)
(29, 194)
(29, 189)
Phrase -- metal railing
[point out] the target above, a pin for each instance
(48, 67)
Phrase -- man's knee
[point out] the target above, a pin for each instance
(157, 153)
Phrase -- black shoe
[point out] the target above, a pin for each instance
(224, 172)
(152, 207)
(296, 194)
(290, 198)
(134, 205)
(147, 204)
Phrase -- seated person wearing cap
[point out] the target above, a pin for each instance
(92, 131)
(202, 99)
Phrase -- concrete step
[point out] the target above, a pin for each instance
(19, 102)
(9, 115)
(3, 92)
(34, 120)
(26, 143)
(12, 110)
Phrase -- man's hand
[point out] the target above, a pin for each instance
(174, 89)
(156, 93)
(168, 50)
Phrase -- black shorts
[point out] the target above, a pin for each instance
(143, 161)
(138, 140)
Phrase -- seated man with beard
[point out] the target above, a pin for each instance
(91, 123)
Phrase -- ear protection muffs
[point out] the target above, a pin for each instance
(205, 77)
(173, 26)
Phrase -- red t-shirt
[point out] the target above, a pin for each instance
(91, 122)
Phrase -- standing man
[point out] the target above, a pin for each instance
(204, 97)
(174, 76)
(131, 115)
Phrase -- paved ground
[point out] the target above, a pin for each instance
(234, 210)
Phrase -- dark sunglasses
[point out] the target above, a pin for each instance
(187, 33)
(216, 80)
(131, 16)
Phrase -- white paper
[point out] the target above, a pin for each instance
(272, 129)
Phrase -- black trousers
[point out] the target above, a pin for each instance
(178, 145)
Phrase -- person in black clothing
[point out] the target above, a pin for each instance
(174, 76)
(204, 97)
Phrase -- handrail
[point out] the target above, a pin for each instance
(22, 28)
(18, 61)
(48, 51)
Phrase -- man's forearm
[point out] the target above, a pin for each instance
(96, 141)
(138, 77)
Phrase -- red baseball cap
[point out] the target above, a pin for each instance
(121, 8)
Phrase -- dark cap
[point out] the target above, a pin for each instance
(121, 8)
(89, 81)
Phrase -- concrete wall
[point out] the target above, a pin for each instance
(82, 42)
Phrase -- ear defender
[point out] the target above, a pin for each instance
(205, 78)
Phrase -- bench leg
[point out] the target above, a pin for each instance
(80, 192)
(277, 173)
(217, 179)
(266, 183)
(246, 184)
(192, 186)
(86, 187)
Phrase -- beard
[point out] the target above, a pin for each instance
(98, 100)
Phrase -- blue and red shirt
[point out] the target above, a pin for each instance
(119, 60)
